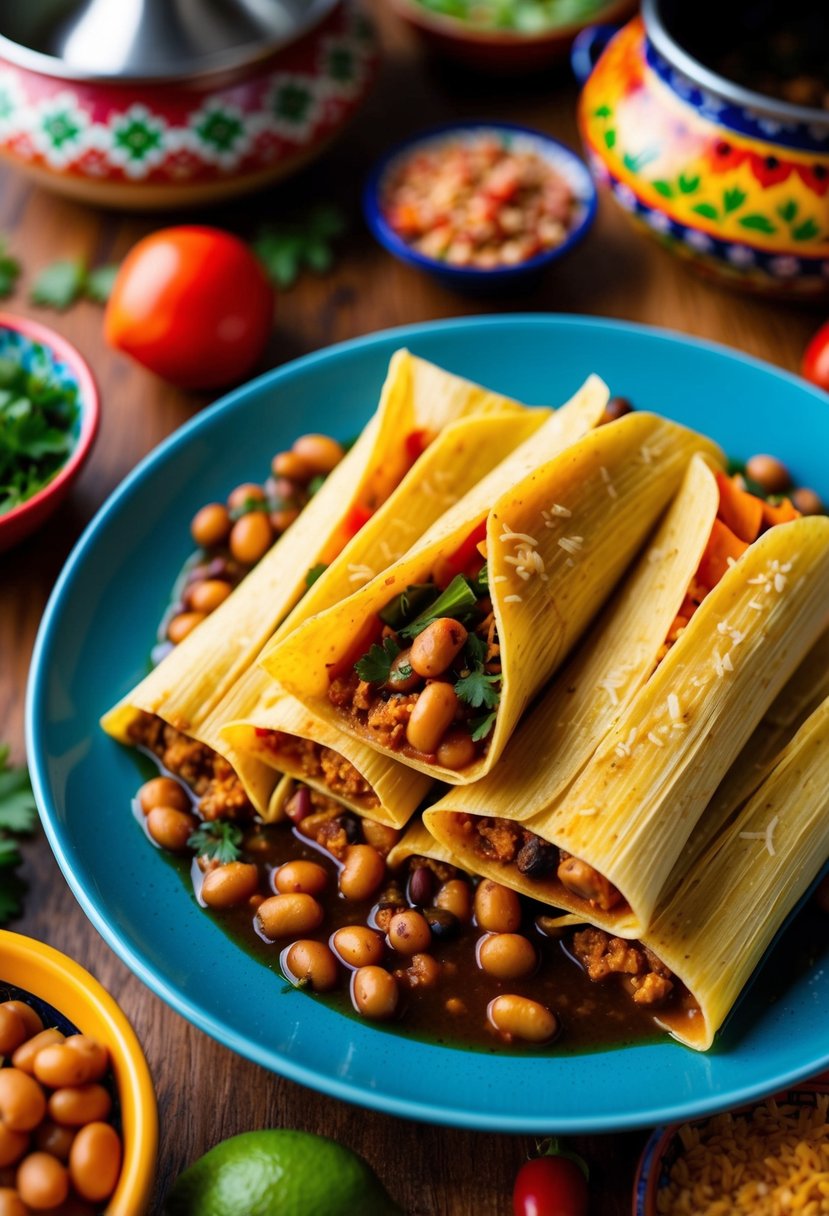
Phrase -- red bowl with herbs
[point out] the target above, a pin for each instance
(50, 410)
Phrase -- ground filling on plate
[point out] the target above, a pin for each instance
(312, 761)
(428, 684)
(424, 947)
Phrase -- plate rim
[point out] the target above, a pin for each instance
(269, 1058)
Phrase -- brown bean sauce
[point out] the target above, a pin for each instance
(591, 1015)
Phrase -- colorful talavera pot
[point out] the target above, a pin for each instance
(734, 182)
(153, 144)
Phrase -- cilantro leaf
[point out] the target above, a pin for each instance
(478, 689)
(457, 601)
(18, 817)
(100, 282)
(285, 249)
(37, 425)
(314, 573)
(217, 839)
(407, 604)
(375, 666)
(9, 271)
(482, 726)
(475, 651)
(59, 285)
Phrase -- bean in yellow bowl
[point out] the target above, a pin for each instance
(61, 993)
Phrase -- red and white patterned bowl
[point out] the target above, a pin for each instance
(154, 145)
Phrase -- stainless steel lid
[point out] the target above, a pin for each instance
(150, 39)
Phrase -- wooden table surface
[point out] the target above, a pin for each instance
(205, 1092)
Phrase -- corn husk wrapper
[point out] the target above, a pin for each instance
(418, 841)
(632, 809)
(463, 453)
(713, 928)
(593, 690)
(192, 680)
(558, 539)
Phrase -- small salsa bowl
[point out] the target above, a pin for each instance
(39, 348)
(473, 279)
(501, 52)
(53, 978)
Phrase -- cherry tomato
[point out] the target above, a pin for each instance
(193, 305)
(550, 1186)
(816, 359)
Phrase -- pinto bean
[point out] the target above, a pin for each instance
(374, 993)
(455, 896)
(305, 877)
(358, 945)
(402, 676)
(518, 1017)
(289, 915)
(230, 885)
(362, 873)
(769, 473)
(457, 749)
(320, 452)
(497, 908)
(409, 932)
(582, 880)
(312, 963)
(210, 525)
(507, 956)
(433, 711)
(435, 648)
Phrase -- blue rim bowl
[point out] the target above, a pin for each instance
(471, 279)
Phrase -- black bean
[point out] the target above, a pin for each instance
(298, 806)
(537, 857)
(351, 827)
(616, 407)
(443, 924)
(421, 886)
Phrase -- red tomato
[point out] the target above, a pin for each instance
(816, 359)
(550, 1186)
(193, 305)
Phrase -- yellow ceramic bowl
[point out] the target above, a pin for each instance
(55, 978)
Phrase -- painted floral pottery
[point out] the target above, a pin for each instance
(174, 143)
(501, 52)
(735, 182)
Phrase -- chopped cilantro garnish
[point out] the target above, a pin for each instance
(481, 583)
(100, 282)
(286, 248)
(479, 689)
(316, 484)
(247, 505)
(59, 285)
(18, 816)
(408, 604)
(217, 839)
(37, 420)
(482, 726)
(475, 651)
(314, 573)
(9, 271)
(457, 601)
(375, 666)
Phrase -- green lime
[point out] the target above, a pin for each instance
(279, 1173)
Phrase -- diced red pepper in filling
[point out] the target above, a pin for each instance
(369, 634)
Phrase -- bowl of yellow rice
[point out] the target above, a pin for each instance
(767, 1159)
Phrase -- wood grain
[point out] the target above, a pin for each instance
(206, 1093)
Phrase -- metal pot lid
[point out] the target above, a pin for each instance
(173, 40)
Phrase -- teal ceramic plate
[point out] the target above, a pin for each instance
(93, 647)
